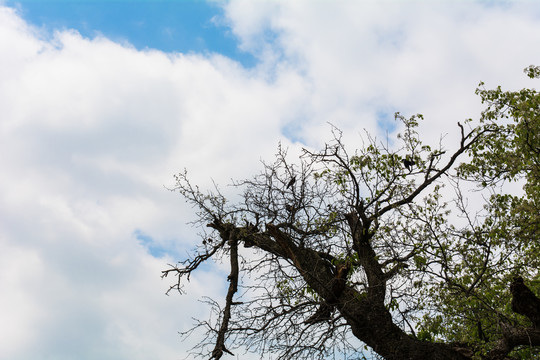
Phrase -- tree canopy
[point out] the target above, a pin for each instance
(380, 249)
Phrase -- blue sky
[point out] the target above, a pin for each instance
(167, 25)
(95, 124)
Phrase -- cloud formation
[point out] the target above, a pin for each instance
(91, 132)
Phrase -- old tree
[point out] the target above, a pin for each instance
(344, 254)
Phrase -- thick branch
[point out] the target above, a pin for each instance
(367, 257)
(220, 348)
(513, 337)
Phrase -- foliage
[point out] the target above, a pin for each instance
(381, 245)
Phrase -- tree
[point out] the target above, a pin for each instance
(360, 246)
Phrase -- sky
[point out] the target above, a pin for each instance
(102, 102)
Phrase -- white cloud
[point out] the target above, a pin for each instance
(91, 131)
(412, 56)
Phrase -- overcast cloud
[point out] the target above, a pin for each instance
(92, 131)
